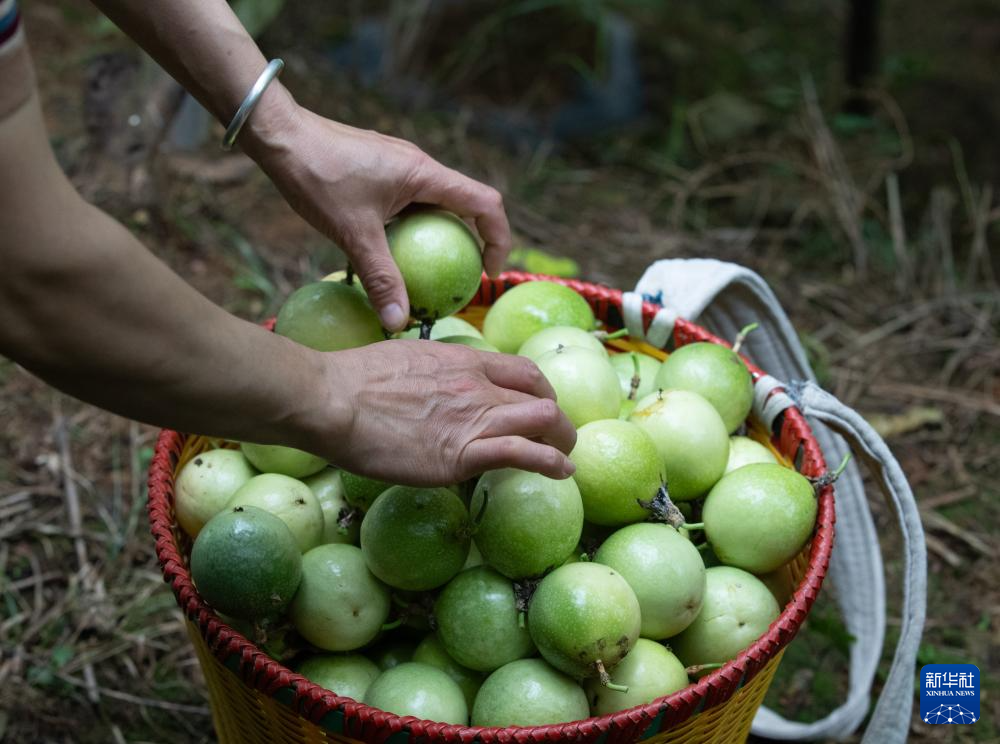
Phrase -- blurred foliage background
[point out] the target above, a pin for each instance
(844, 150)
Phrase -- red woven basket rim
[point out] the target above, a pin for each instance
(360, 721)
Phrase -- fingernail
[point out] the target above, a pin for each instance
(569, 468)
(392, 317)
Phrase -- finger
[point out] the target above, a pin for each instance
(481, 455)
(538, 419)
(468, 198)
(370, 257)
(517, 373)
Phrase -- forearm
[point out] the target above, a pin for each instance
(203, 45)
(87, 308)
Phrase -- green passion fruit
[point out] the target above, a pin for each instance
(419, 690)
(329, 316)
(393, 652)
(550, 339)
(328, 489)
(736, 611)
(530, 523)
(746, 451)
(617, 467)
(245, 563)
(691, 437)
(432, 651)
(477, 620)
(339, 606)
(585, 383)
(274, 458)
(439, 259)
(664, 569)
(528, 692)
(348, 675)
(360, 491)
(444, 327)
(205, 484)
(288, 499)
(625, 367)
(714, 372)
(584, 618)
(649, 671)
(758, 517)
(416, 538)
(525, 309)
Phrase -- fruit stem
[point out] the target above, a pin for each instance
(605, 336)
(520, 619)
(830, 477)
(605, 678)
(636, 378)
(393, 625)
(662, 508)
(742, 336)
(693, 525)
(425, 329)
(349, 275)
(698, 668)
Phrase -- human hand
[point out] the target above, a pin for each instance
(348, 182)
(425, 413)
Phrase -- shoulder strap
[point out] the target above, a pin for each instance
(726, 297)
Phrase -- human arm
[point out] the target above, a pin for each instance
(88, 309)
(344, 181)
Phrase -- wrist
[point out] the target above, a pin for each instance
(269, 124)
(324, 419)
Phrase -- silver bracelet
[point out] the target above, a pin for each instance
(272, 71)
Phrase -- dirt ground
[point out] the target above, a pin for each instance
(93, 647)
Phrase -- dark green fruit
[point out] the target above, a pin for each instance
(416, 538)
(714, 372)
(360, 491)
(478, 620)
(245, 563)
(439, 259)
(530, 524)
(528, 693)
(431, 651)
(420, 690)
(392, 653)
(329, 316)
(348, 675)
(584, 618)
(274, 458)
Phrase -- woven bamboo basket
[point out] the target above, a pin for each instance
(256, 699)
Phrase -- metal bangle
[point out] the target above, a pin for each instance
(272, 71)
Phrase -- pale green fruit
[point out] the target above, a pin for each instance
(478, 623)
(746, 451)
(348, 675)
(759, 516)
(691, 438)
(737, 610)
(205, 484)
(550, 339)
(275, 458)
(340, 605)
(649, 671)
(528, 692)
(288, 499)
(530, 523)
(328, 488)
(625, 369)
(329, 316)
(431, 651)
(444, 327)
(665, 571)
(585, 383)
(419, 690)
(583, 616)
(617, 466)
(473, 342)
(440, 261)
(714, 372)
(525, 309)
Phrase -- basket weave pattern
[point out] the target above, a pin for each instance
(256, 699)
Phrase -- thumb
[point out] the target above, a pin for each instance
(369, 254)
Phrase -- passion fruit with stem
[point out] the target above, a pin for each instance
(716, 373)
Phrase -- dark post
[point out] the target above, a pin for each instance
(861, 53)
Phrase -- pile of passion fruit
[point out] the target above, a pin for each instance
(512, 599)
